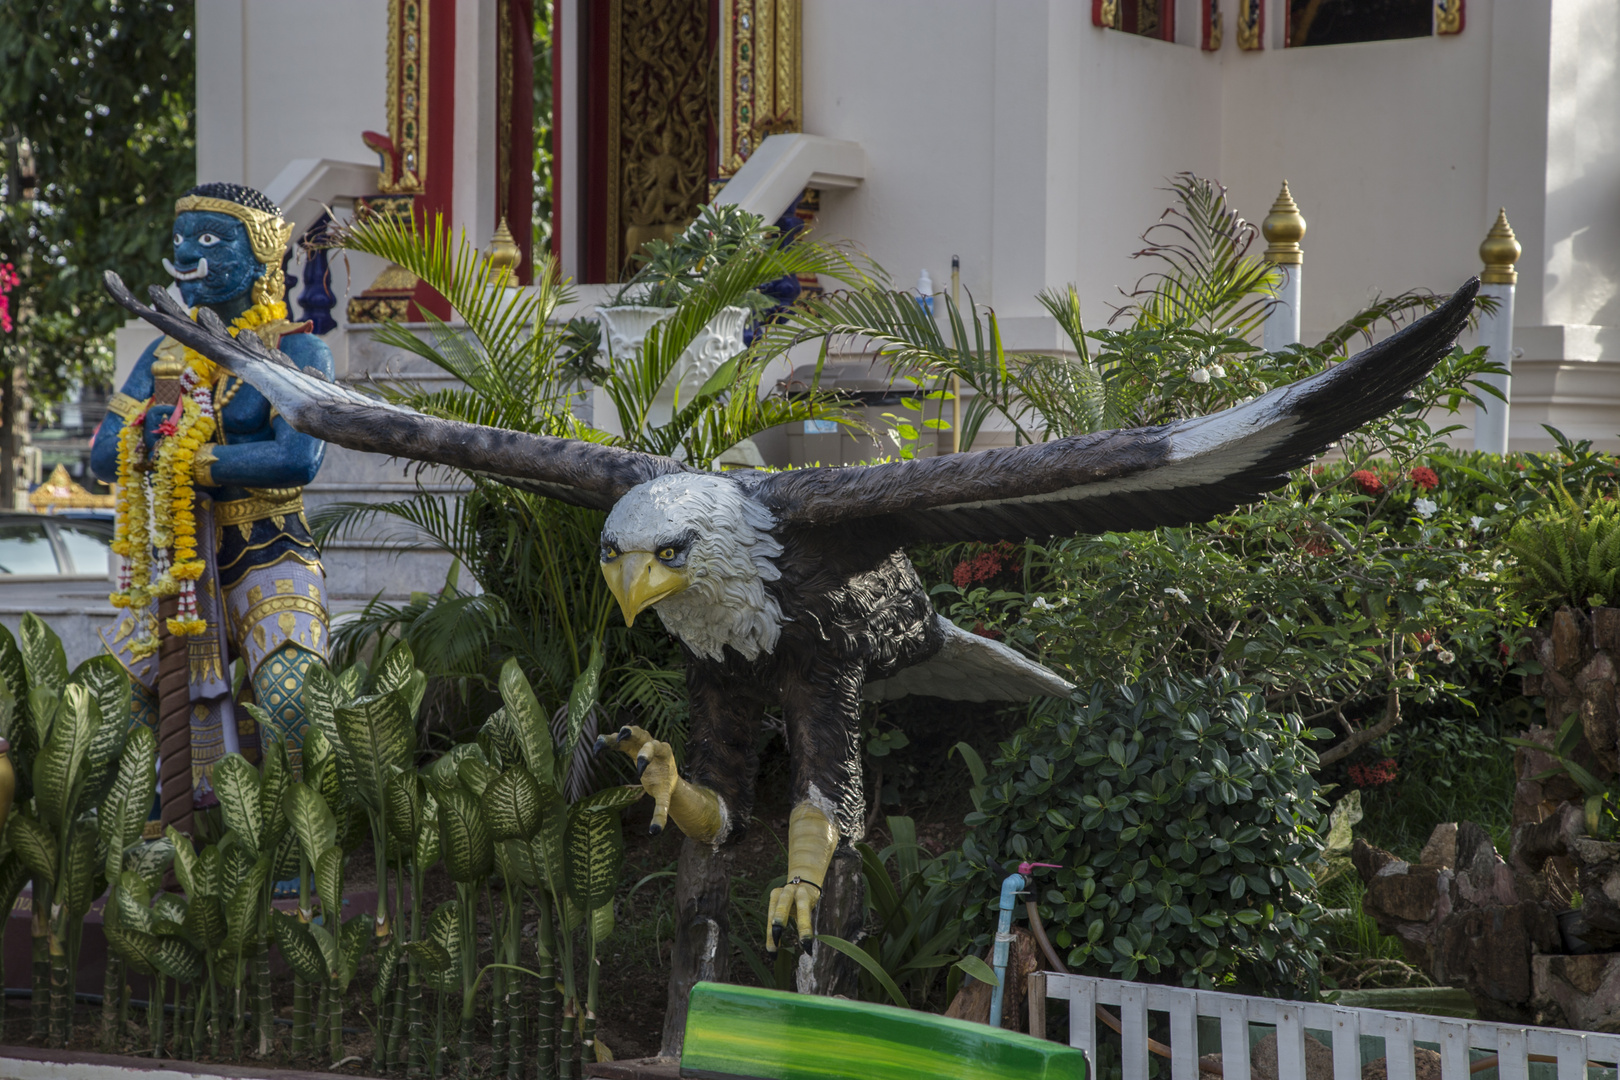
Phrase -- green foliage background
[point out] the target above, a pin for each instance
(102, 92)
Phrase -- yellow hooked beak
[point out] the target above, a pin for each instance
(638, 581)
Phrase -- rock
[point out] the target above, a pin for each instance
(1565, 637)
(1581, 992)
(1441, 850)
(1595, 683)
(1482, 878)
(1426, 1062)
(1263, 1061)
(1487, 950)
(1606, 629)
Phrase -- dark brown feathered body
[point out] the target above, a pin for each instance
(852, 612)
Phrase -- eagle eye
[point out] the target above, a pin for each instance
(609, 552)
(667, 554)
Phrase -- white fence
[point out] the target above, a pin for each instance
(1465, 1046)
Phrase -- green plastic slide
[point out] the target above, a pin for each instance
(743, 1033)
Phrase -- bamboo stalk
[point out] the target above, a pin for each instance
(239, 1033)
(499, 1022)
(215, 1021)
(110, 984)
(438, 1039)
(154, 1016)
(61, 988)
(545, 1031)
(261, 996)
(396, 1025)
(300, 1017)
(199, 1018)
(336, 1019)
(565, 1043)
(182, 1049)
(41, 998)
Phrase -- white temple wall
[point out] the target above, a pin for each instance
(1383, 144)
(288, 80)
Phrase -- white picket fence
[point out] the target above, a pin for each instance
(1455, 1040)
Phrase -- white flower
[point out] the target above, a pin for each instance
(1482, 576)
(1422, 583)
(1040, 604)
(1446, 656)
(1199, 376)
(1177, 593)
(1218, 371)
(1476, 521)
(1425, 507)
(1497, 565)
(1498, 507)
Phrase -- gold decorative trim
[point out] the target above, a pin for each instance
(1448, 16)
(272, 605)
(505, 79)
(202, 466)
(1250, 23)
(124, 407)
(263, 503)
(313, 562)
(61, 492)
(407, 103)
(761, 76)
(152, 830)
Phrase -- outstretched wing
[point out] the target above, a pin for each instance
(575, 471)
(1140, 478)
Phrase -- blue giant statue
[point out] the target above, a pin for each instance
(211, 499)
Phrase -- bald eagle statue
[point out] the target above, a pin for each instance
(794, 589)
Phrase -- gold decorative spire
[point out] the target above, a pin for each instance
(1284, 228)
(504, 254)
(1500, 251)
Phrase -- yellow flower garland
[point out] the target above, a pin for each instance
(157, 509)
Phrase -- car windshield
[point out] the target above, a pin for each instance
(87, 548)
(25, 549)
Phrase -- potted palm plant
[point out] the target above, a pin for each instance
(670, 271)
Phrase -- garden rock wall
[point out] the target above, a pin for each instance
(1535, 937)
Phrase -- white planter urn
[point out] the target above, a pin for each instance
(625, 328)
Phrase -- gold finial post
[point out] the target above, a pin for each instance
(504, 254)
(1284, 228)
(1499, 251)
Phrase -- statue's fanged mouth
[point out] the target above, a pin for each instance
(197, 273)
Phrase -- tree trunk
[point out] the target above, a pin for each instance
(13, 437)
(702, 951)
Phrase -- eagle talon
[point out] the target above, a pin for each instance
(654, 829)
(601, 745)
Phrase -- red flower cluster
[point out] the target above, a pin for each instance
(1316, 544)
(8, 281)
(988, 631)
(1425, 478)
(1368, 481)
(985, 565)
(1373, 775)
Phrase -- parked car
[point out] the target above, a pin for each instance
(55, 545)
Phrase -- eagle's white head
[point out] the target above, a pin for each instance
(697, 550)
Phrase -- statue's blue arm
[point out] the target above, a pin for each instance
(287, 459)
(104, 449)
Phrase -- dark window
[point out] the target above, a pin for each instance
(1339, 22)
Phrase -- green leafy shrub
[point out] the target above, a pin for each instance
(1568, 552)
(1185, 818)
